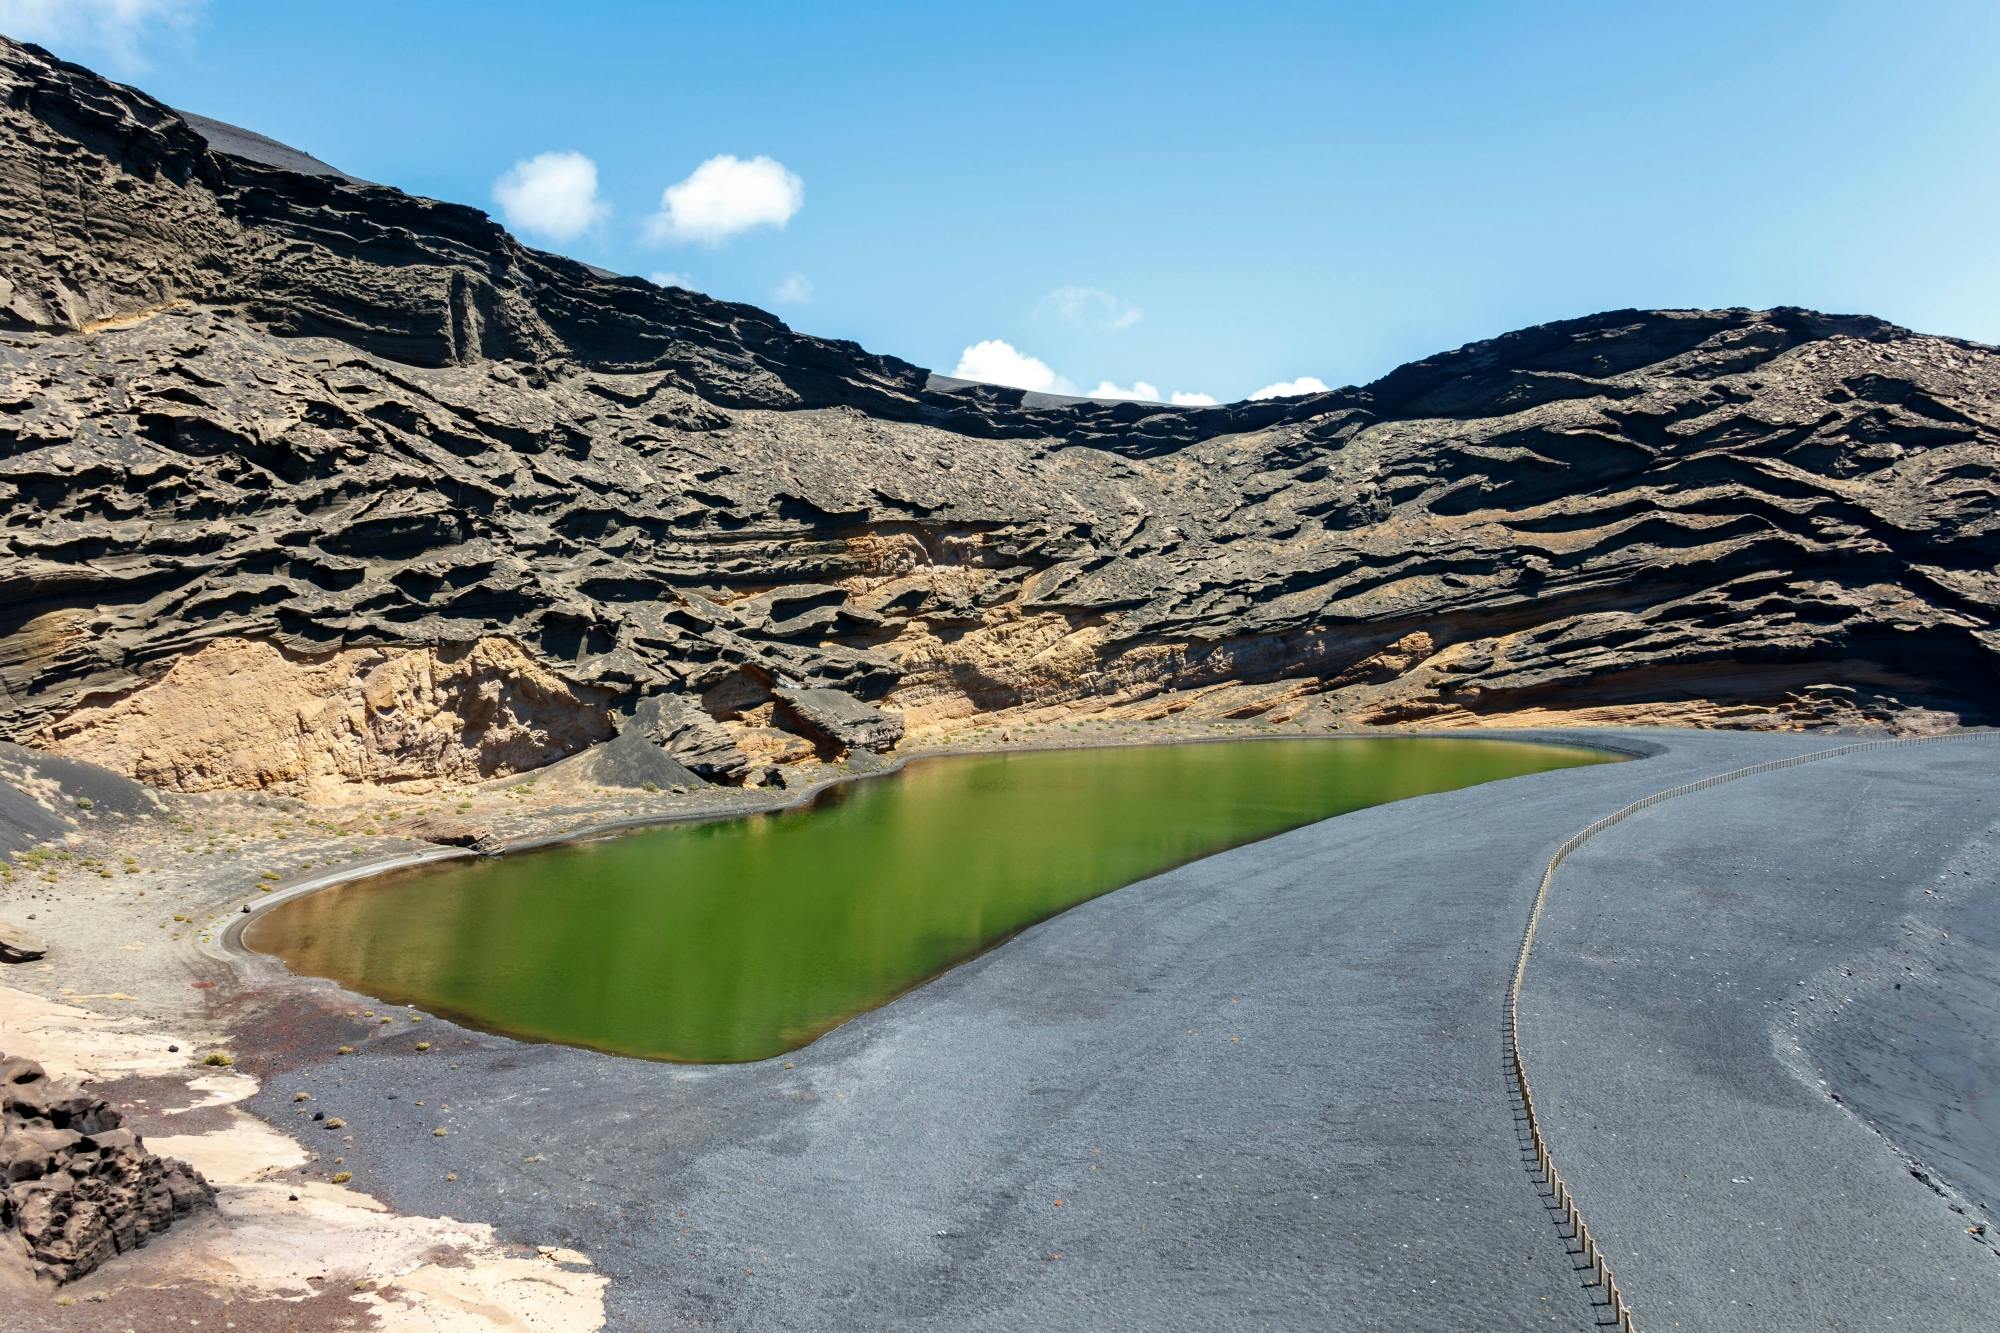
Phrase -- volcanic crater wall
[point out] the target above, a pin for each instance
(309, 483)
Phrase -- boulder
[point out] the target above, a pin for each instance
(78, 1186)
(838, 720)
(18, 944)
(690, 737)
(449, 832)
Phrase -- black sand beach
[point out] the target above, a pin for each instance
(1714, 973)
(1265, 1089)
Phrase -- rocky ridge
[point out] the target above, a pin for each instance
(311, 484)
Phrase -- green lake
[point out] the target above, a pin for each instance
(738, 939)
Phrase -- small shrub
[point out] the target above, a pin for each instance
(342, 1177)
(220, 1059)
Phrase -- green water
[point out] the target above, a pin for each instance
(743, 938)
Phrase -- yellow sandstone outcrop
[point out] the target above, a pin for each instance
(240, 713)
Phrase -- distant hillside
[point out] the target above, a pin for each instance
(307, 482)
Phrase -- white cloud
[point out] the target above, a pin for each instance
(120, 32)
(554, 194)
(666, 279)
(1290, 388)
(795, 290)
(996, 362)
(1091, 308)
(1140, 392)
(726, 195)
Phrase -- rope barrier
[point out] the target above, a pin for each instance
(1593, 1255)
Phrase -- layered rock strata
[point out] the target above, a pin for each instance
(280, 444)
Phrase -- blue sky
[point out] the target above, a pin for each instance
(1205, 198)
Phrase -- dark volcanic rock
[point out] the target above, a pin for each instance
(446, 831)
(633, 759)
(245, 398)
(77, 1185)
(681, 731)
(839, 721)
(18, 944)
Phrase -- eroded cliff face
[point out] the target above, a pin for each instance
(242, 713)
(255, 421)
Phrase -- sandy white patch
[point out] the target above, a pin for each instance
(439, 1273)
(215, 1090)
(73, 1042)
(509, 1293)
(286, 1239)
(247, 1150)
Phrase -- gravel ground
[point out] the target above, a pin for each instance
(1263, 1090)
(1761, 1018)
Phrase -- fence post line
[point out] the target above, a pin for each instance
(1544, 1155)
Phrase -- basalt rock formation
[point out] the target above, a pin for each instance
(258, 414)
(76, 1186)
